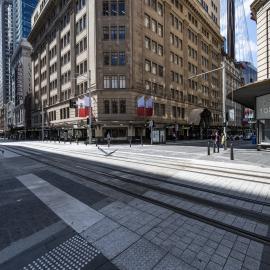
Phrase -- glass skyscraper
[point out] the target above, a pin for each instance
(22, 12)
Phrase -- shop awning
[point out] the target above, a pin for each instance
(247, 94)
(195, 116)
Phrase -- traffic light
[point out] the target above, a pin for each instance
(73, 104)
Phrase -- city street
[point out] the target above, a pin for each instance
(161, 207)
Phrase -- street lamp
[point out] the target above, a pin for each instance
(223, 68)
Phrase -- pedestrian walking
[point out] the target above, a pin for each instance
(223, 139)
(217, 140)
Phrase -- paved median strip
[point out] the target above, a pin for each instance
(76, 214)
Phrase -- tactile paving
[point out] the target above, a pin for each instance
(75, 253)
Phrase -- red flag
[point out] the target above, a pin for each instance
(149, 107)
(141, 106)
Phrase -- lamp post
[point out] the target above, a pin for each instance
(224, 90)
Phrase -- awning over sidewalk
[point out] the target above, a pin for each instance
(247, 94)
(195, 116)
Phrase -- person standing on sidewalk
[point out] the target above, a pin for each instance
(217, 140)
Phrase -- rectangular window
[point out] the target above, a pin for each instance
(113, 32)
(106, 107)
(114, 106)
(106, 59)
(114, 59)
(114, 81)
(122, 32)
(106, 35)
(122, 58)
(113, 8)
(107, 82)
(123, 107)
(106, 8)
(122, 81)
(122, 8)
(147, 66)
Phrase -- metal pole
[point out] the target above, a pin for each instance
(90, 108)
(232, 154)
(208, 148)
(224, 102)
(151, 134)
(42, 117)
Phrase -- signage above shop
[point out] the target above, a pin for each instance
(263, 107)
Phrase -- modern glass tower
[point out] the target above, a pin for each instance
(22, 13)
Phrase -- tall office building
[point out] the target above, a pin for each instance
(141, 54)
(6, 49)
(22, 13)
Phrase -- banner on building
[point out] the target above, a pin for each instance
(141, 106)
(149, 107)
(84, 105)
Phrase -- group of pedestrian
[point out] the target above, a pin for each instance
(219, 139)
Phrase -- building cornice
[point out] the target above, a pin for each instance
(255, 6)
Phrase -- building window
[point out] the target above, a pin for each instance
(122, 81)
(114, 59)
(147, 66)
(114, 81)
(106, 107)
(147, 42)
(106, 59)
(113, 8)
(106, 8)
(122, 58)
(121, 8)
(113, 32)
(122, 32)
(106, 34)
(147, 21)
(114, 106)
(123, 107)
(107, 81)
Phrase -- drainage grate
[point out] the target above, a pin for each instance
(75, 253)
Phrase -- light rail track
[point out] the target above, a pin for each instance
(248, 234)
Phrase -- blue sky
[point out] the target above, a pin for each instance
(243, 47)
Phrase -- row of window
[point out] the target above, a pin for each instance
(177, 95)
(192, 53)
(80, 4)
(114, 106)
(65, 40)
(154, 68)
(176, 41)
(114, 81)
(157, 6)
(81, 46)
(177, 4)
(65, 78)
(65, 58)
(192, 68)
(53, 85)
(153, 25)
(114, 32)
(52, 52)
(153, 46)
(81, 24)
(154, 88)
(64, 113)
(159, 109)
(176, 22)
(114, 8)
(178, 112)
(176, 77)
(192, 19)
(81, 88)
(81, 68)
(176, 59)
(53, 68)
(114, 58)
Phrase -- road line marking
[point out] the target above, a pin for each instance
(76, 214)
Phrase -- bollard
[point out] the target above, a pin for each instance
(77, 141)
(208, 148)
(214, 147)
(232, 154)
(59, 139)
(108, 143)
(130, 143)
(70, 141)
(141, 141)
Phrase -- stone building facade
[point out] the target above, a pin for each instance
(133, 49)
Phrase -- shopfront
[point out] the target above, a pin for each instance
(263, 120)
(256, 96)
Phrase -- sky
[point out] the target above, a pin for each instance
(246, 51)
